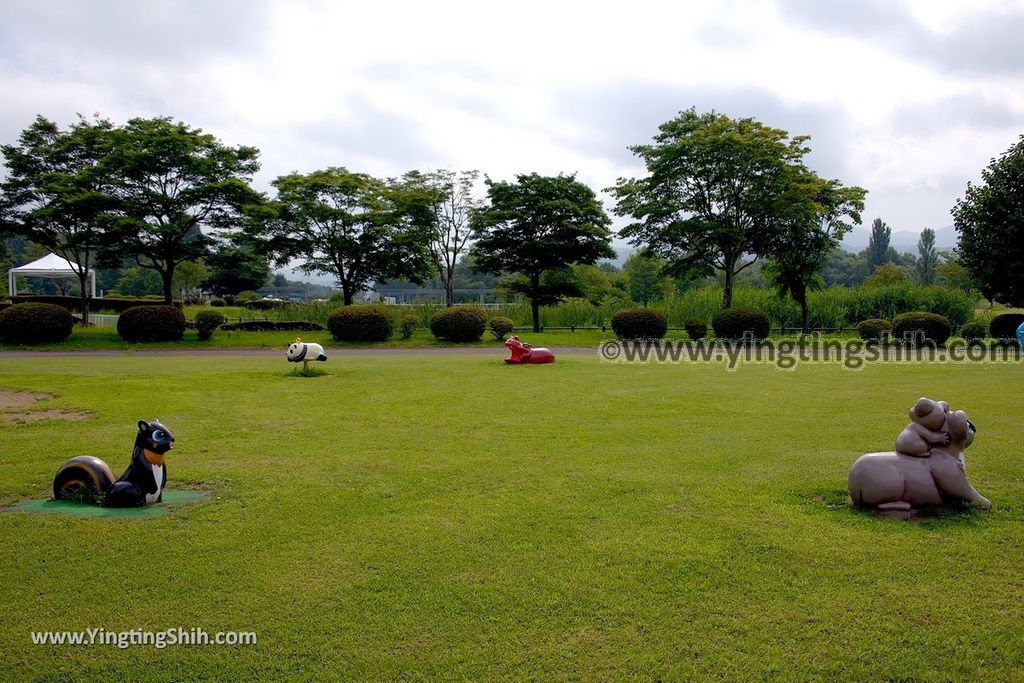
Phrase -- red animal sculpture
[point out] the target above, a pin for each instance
(523, 353)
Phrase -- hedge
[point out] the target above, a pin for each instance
(35, 323)
(207, 322)
(459, 323)
(874, 329)
(74, 303)
(1004, 326)
(501, 327)
(151, 324)
(639, 323)
(920, 328)
(274, 326)
(360, 324)
(741, 324)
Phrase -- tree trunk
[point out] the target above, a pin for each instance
(449, 290)
(168, 278)
(347, 294)
(727, 290)
(83, 283)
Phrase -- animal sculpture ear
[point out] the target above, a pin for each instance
(143, 425)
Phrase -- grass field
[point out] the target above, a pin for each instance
(106, 338)
(452, 517)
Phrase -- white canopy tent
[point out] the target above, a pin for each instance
(51, 266)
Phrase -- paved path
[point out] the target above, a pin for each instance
(421, 351)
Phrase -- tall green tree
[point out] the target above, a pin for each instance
(644, 277)
(818, 213)
(538, 226)
(177, 188)
(952, 273)
(879, 251)
(844, 268)
(189, 277)
(56, 193)
(453, 207)
(236, 268)
(990, 222)
(358, 228)
(710, 198)
(927, 257)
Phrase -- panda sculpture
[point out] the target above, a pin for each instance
(303, 352)
(142, 483)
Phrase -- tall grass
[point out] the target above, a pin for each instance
(835, 307)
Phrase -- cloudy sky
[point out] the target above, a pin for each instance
(907, 99)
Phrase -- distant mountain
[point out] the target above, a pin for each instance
(902, 240)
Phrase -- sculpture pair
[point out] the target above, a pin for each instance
(927, 469)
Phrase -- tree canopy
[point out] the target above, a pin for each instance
(990, 222)
(353, 226)
(927, 257)
(236, 268)
(537, 226)
(817, 214)
(453, 206)
(56, 193)
(710, 198)
(176, 188)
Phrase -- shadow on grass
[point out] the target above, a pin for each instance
(838, 502)
(307, 372)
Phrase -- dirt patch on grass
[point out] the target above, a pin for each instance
(20, 399)
(37, 415)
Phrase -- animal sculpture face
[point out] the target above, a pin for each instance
(296, 351)
(961, 430)
(155, 437)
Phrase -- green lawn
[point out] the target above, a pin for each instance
(106, 338)
(452, 517)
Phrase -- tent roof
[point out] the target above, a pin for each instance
(50, 265)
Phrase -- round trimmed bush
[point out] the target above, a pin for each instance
(1004, 326)
(360, 324)
(266, 304)
(409, 325)
(874, 329)
(639, 323)
(459, 323)
(35, 323)
(921, 328)
(741, 324)
(207, 322)
(500, 327)
(973, 332)
(696, 329)
(218, 302)
(151, 324)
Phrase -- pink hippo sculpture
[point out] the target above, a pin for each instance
(899, 482)
(523, 353)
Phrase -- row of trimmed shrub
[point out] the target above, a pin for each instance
(33, 323)
(74, 303)
(375, 324)
(918, 327)
(921, 326)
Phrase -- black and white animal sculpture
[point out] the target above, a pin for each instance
(300, 351)
(142, 483)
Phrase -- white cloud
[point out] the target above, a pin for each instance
(535, 86)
